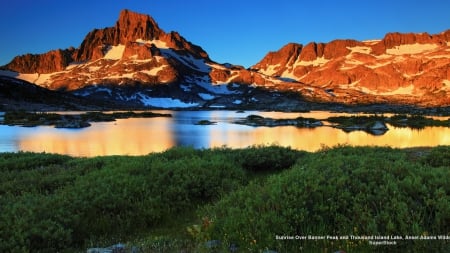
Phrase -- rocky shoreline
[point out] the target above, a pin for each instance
(74, 121)
(374, 124)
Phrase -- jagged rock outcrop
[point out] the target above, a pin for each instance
(175, 41)
(400, 68)
(53, 61)
(135, 31)
(140, 52)
(129, 28)
(286, 54)
(392, 40)
(312, 51)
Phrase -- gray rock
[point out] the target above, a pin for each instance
(378, 125)
(72, 124)
(99, 250)
(212, 244)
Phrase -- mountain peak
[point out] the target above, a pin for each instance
(132, 31)
(132, 26)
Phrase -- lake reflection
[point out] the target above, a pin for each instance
(145, 135)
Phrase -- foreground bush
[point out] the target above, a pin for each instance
(109, 197)
(52, 203)
(267, 159)
(438, 156)
(343, 191)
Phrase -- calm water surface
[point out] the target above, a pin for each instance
(139, 136)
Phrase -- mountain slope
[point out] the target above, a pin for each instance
(400, 68)
(137, 64)
(17, 94)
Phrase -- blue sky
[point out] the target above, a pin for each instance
(235, 31)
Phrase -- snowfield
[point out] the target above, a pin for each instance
(411, 49)
(115, 52)
(165, 102)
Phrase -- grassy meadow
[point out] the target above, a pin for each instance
(258, 199)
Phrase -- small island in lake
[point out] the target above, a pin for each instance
(82, 120)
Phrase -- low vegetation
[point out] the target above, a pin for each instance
(366, 121)
(416, 121)
(338, 192)
(372, 124)
(256, 120)
(411, 121)
(222, 200)
(31, 119)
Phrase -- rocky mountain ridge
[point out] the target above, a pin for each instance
(136, 63)
(401, 68)
(131, 30)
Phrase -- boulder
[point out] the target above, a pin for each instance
(72, 124)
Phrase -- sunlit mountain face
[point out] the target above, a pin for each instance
(137, 63)
(400, 68)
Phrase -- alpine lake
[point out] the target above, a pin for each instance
(208, 129)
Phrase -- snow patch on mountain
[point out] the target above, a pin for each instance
(94, 68)
(188, 60)
(91, 90)
(411, 49)
(206, 96)
(121, 75)
(272, 69)
(139, 61)
(36, 78)
(73, 65)
(206, 84)
(158, 43)
(165, 102)
(360, 49)
(377, 65)
(186, 88)
(446, 86)
(370, 42)
(399, 91)
(153, 71)
(316, 62)
(288, 74)
(216, 66)
(114, 52)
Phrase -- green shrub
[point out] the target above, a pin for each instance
(343, 191)
(30, 172)
(29, 118)
(105, 198)
(416, 121)
(49, 203)
(267, 159)
(438, 156)
(28, 160)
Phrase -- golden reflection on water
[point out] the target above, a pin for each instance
(101, 139)
(315, 139)
(143, 136)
